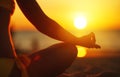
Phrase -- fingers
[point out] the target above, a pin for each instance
(94, 46)
(93, 37)
(94, 40)
(89, 41)
(97, 46)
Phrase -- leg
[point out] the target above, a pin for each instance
(52, 61)
(5, 47)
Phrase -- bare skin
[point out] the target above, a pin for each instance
(46, 25)
(49, 27)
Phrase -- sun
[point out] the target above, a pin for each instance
(80, 22)
(81, 51)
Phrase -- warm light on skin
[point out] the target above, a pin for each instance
(81, 51)
(80, 22)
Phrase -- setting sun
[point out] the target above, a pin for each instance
(80, 22)
(81, 51)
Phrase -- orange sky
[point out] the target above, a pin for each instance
(100, 14)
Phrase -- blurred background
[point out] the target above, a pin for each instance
(99, 16)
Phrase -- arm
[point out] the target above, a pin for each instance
(42, 22)
(46, 25)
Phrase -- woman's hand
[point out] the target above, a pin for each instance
(23, 62)
(88, 41)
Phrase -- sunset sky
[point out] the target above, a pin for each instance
(102, 16)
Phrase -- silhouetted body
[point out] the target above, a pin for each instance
(49, 62)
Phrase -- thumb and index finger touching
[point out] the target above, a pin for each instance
(93, 38)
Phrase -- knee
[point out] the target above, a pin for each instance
(65, 48)
(65, 56)
(70, 50)
(63, 51)
(66, 51)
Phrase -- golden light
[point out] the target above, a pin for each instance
(80, 22)
(81, 51)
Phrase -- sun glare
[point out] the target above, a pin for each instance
(81, 51)
(80, 22)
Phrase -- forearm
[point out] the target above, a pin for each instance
(54, 30)
(42, 22)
